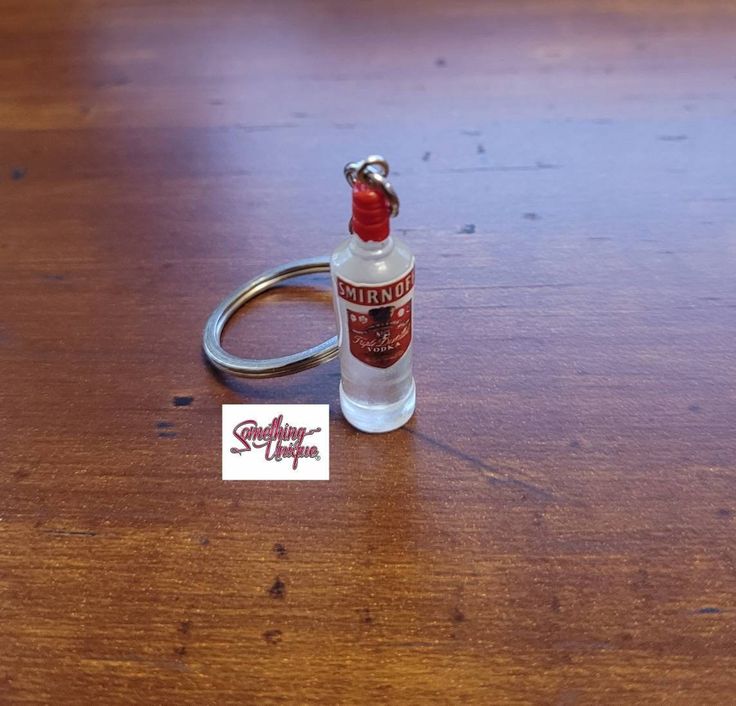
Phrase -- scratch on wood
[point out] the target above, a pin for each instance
(264, 128)
(466, 308)
(539, 166)
(70, 533)
(493, 474)
(175, 664)
(561, 285)
(413, 645)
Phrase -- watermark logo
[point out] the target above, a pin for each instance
(280, 440)
(275, 442)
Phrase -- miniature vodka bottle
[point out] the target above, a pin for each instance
(373, 281)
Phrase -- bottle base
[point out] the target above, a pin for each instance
(378, 419)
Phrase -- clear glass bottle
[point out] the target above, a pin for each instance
(373, 282)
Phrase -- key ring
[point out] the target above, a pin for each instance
(268, 367)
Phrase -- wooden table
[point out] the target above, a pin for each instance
(556, 524)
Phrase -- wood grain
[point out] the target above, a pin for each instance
(557, 523)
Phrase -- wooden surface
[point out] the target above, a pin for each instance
(555, 526)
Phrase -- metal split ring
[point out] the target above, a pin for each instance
(373, 171)
(269, 367)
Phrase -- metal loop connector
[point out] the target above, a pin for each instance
(355, 171)
(373, 171)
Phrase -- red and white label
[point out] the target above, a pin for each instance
(378, 319)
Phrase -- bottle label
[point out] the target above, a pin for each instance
(378, 319)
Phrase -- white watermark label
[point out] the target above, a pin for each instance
(275, 442)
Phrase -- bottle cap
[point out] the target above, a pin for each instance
(371, 213)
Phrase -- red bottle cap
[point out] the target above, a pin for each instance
(371, 213)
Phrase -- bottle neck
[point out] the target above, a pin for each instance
(371, 249)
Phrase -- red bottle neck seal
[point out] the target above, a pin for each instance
(371, 213)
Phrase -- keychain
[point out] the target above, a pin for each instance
(373, 288)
